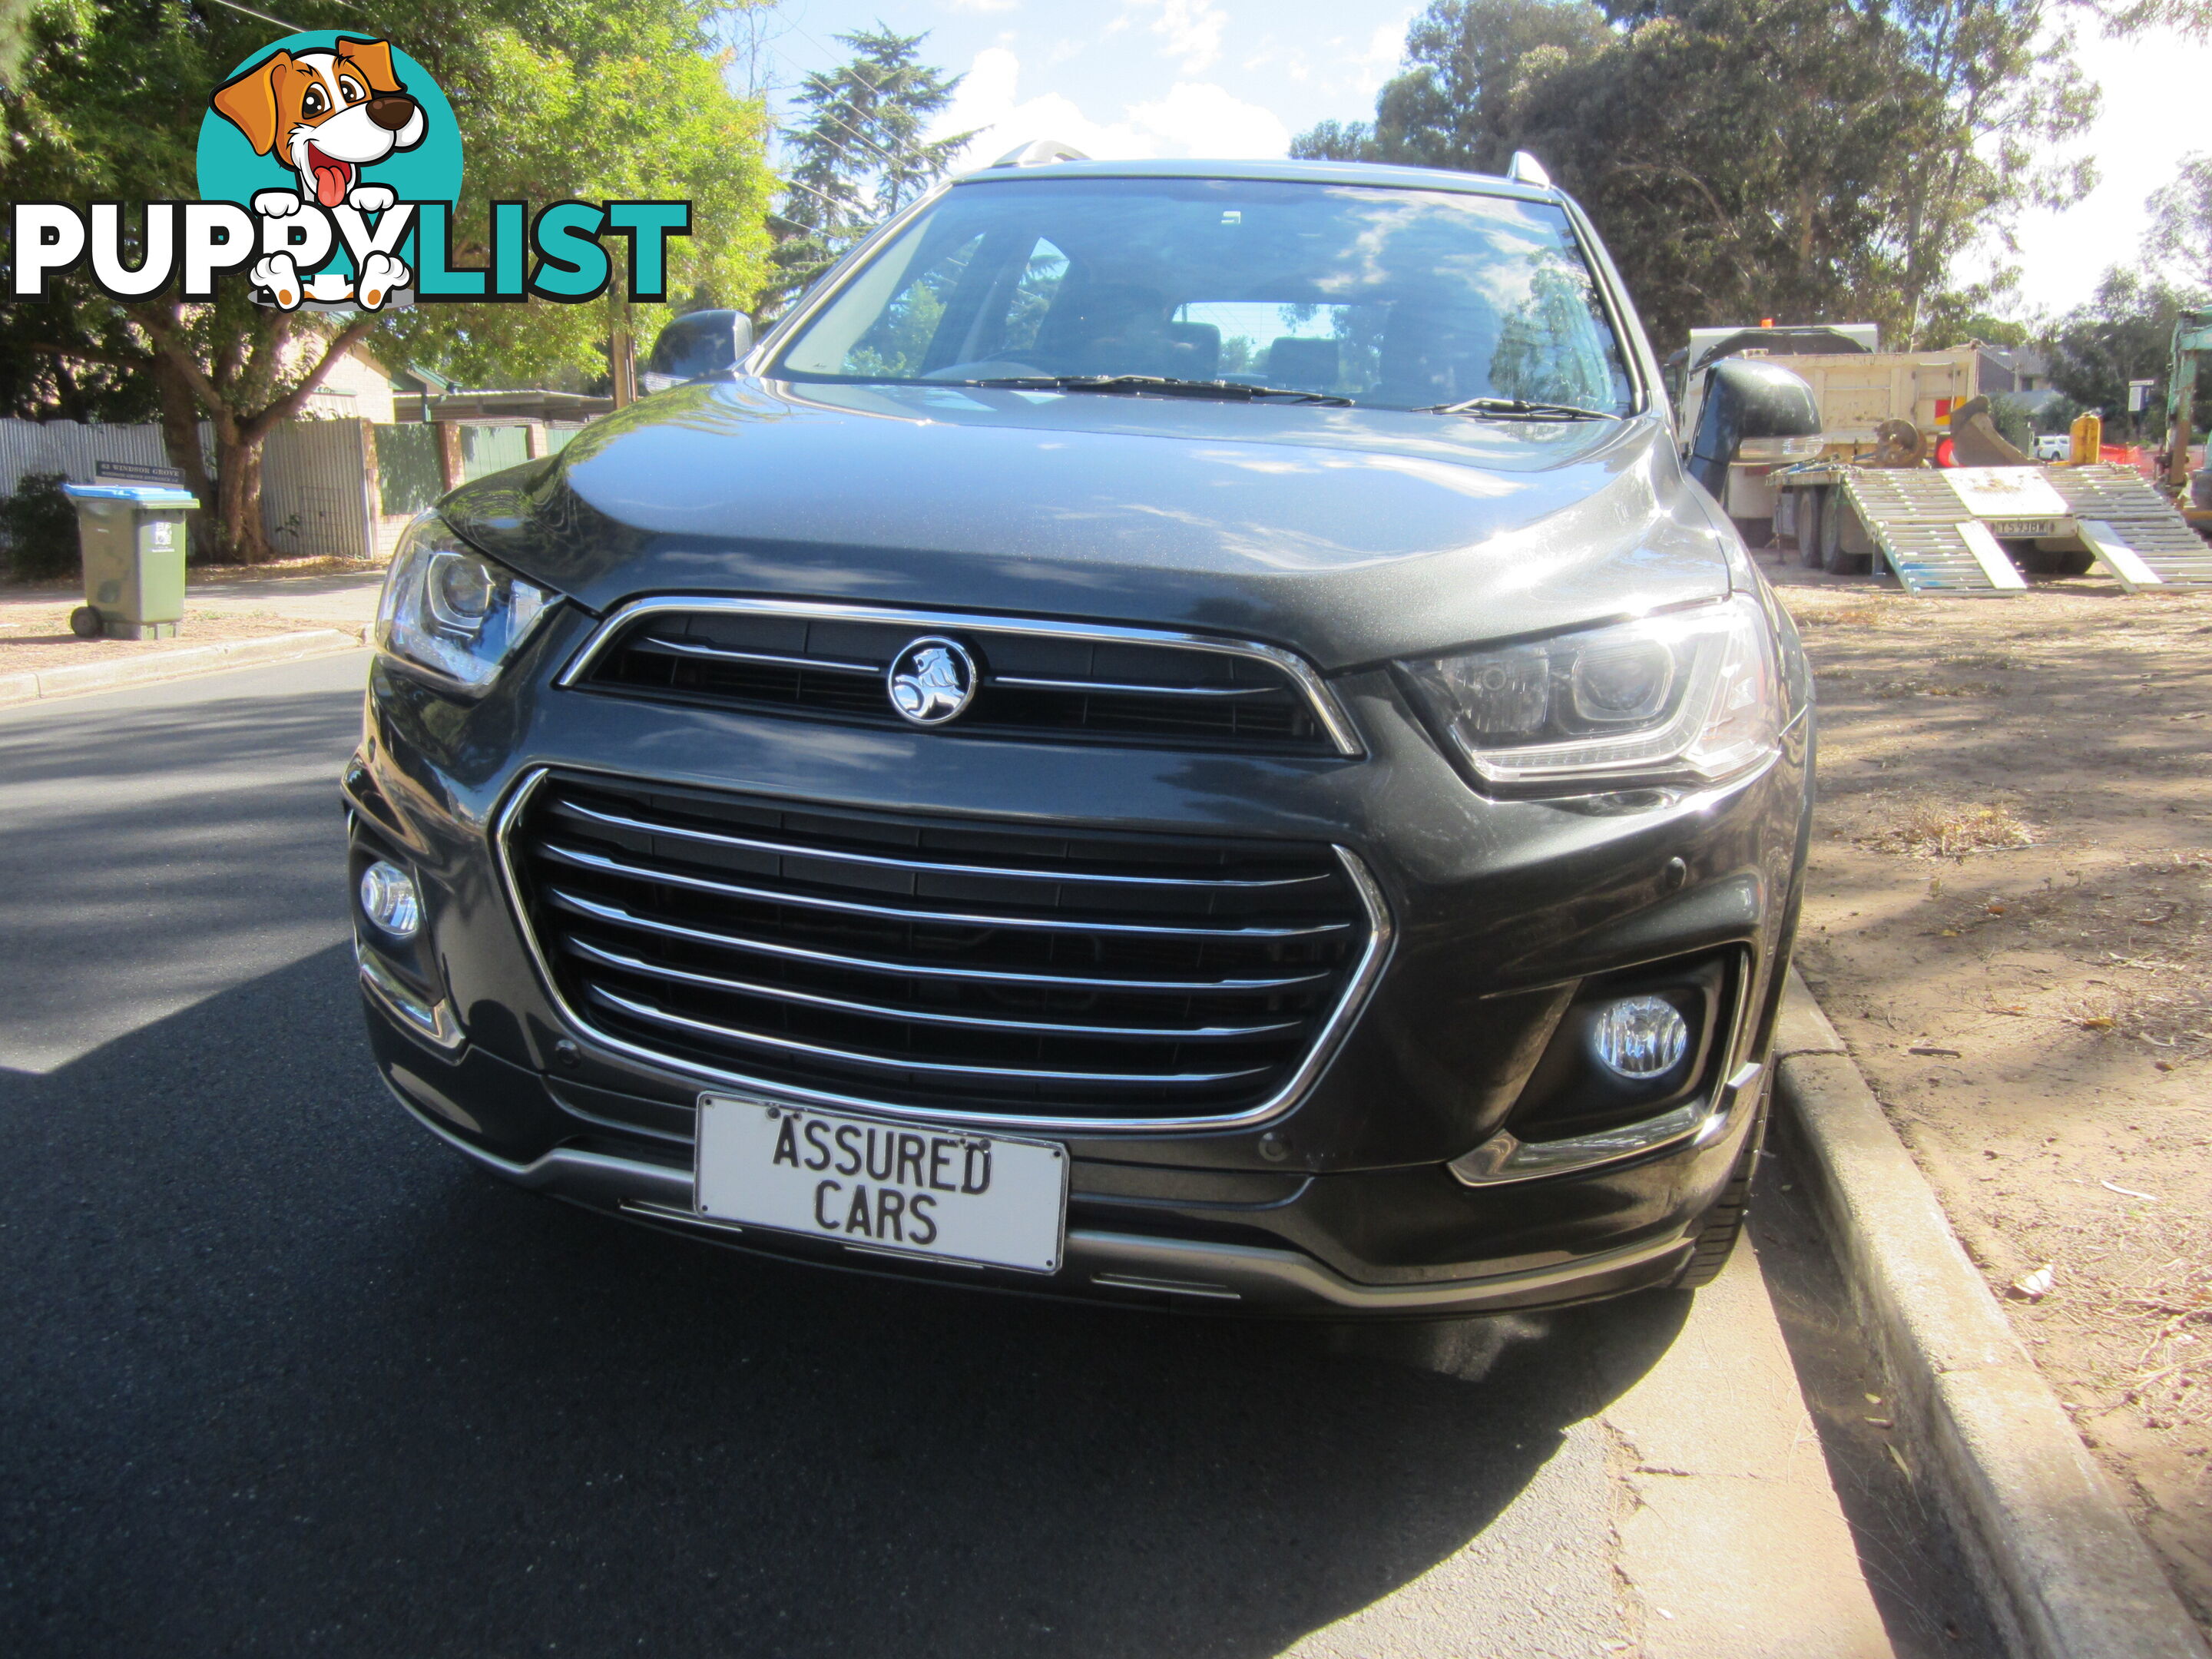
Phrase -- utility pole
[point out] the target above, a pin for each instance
(621, 347)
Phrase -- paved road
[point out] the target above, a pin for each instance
(282, 1376)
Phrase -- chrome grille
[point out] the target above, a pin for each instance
(952, 965)
(1053, 682)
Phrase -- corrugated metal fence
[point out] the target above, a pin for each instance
(314, 474)
(66, 446)
(330, 489)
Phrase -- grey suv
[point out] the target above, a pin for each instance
(1176, 733)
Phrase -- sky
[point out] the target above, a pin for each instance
(1237, 78)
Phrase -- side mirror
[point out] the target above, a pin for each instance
(698, 344)
(1746, 399)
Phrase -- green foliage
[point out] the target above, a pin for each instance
(590, 99)
(2125, 332)
(2057, 414)
(2014, 416)
(1806, 160)
(594, 100)
(860, 153)
(40, 524)
(2179, 244)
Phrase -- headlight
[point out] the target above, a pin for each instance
(1689, 696)
(448, 609)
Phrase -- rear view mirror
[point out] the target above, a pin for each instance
(698, 344)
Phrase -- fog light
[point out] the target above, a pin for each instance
(388, 899)
(1641, 1037)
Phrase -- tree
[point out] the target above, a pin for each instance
(1812, 159)
(2180, 242)
(2125, 333)
(593, 99)
(860, 152)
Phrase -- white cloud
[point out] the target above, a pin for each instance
(980, 5)
(1194, 118)
(1199, 118)
(1193, 31)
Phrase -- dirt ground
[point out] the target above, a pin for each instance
(2008, 917)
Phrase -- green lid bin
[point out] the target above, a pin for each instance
(132, 539)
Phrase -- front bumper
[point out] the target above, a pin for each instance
(1410, 1175)
(1284, 1244)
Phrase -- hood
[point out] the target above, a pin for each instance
(1348, 535)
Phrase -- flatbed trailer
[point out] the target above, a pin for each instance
(1968, 530)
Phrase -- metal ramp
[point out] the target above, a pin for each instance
(1938, 527)
(1930, 537)
(2137, 534)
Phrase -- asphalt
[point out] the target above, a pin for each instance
(282, 1376)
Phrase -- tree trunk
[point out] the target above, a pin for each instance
(238, 496)
(180, 437)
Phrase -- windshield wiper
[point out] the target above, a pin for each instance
(1158, 385)
(1519, 408)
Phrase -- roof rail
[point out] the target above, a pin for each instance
(1039, 152)
(1526, 169)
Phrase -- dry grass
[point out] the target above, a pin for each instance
(1861, 615)
(1934, 828)
(2174, 1384)
(1920, 688)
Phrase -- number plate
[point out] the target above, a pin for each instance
(2021, 529)
(895, 1187)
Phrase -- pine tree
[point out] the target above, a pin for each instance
(860, 156)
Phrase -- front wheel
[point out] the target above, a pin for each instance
(85, 623)
(1723, 1222)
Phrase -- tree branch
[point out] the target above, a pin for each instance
(341, 343)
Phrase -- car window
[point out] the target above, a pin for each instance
(1392, 297)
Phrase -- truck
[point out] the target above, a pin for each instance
(1853, 455)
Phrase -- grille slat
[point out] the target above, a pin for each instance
(592, 952)
(946, 918)
(1085, 974)
(619, 917)
(933, 867)
(1036, 681)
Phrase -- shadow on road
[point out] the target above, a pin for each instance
(285, 1376)
(155, 855)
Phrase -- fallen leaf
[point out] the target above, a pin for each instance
(1931, 1048)
(2096, 1023)
(2127, 1192)
(2036, 1286)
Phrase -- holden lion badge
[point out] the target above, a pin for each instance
(932, 680)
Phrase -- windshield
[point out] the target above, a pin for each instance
(1398, 298)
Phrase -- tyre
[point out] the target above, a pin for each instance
(2073, 564)
(1723, 1223)
(1812, 506)
(1833, 559)
(84, 622)
(2031, 560)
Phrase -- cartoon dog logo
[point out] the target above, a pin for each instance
(328, 115)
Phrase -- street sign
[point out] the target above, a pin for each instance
(2139, 395)
(133, 473)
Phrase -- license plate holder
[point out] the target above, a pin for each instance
(880, 1186)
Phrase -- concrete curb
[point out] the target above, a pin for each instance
(80, 678)
(2065, 1573)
